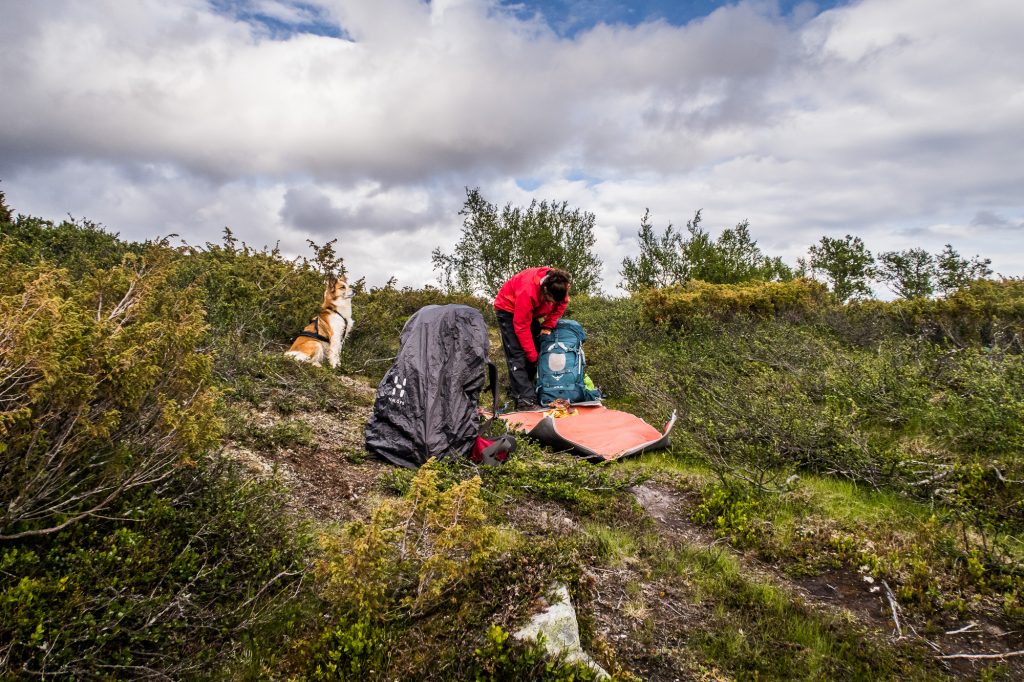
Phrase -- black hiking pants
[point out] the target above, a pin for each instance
(521, 374)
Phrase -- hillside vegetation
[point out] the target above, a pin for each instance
(844, 498)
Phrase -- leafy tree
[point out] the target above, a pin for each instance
(660, 263)
(5, 211)
(733, 258)
(954, 271)
(494, 246)
(846, 263)
(674, 259)
(914, 273)
(910, 273)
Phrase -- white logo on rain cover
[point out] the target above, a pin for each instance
(397, 394)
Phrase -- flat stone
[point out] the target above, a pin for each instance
(561, 631)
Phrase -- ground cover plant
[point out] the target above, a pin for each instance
(843, 499)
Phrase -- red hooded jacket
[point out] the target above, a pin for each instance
(520, 296)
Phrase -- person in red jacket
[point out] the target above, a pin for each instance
(528, 306)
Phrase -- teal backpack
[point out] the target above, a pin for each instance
(561, 365)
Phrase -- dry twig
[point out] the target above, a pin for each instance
(1008, 654)
(967, 628)
(895, 609)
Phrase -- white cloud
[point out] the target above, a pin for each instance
(884, 118)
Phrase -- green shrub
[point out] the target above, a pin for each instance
(731, 512)
(989, 312)
(413, 550)
(986, 312)
(578, 485)
(282, 434)
(676, 307)
(987, 503)
(980, 403)
(887, 386)
(168, 582)
(289, 387)
(126, 551)
(102, 390)
(356, 651)
(77, 246)
(254, 299)
(381, 314)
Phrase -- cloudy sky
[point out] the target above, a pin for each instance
(901, 121)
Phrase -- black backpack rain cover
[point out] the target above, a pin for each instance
(427, 403)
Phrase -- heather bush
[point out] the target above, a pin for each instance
(982, 312)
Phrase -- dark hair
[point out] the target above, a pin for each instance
(556, 284)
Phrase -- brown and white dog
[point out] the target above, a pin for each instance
(326, 333)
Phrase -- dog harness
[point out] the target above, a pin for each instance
(315, 334)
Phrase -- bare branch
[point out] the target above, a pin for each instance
(895, 609)
(1008, 654)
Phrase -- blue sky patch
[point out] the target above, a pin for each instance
(577, 175)
(280, 19)
(569, 17)
(528, 184)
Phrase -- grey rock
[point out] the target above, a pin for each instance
(561, 631)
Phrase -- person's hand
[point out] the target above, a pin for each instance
(545, 331)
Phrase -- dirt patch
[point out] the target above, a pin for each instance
(327, 486)
(648, 623)
(977, 638)
(841, 588)
(859, 594)
(668, 509)
(329, 479)
(540, 518)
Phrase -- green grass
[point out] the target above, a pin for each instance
(616, 546)
(759, 631)
(850, 503)
(803, 521)
(677, 461)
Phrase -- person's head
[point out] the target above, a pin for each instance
(556, 285)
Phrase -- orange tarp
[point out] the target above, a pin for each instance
(607, 433)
